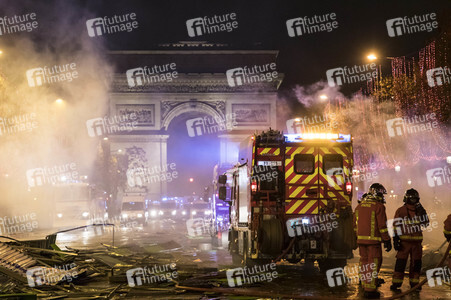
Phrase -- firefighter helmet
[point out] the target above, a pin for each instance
(378, 191)
(411, 196)
(363, 197)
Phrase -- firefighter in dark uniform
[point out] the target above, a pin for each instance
(447, 232)
(363, 197)
(408, 223)
(370, 224)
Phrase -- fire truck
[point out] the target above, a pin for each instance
(290, 198)
(219, 208)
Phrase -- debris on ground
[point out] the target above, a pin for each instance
(40, 269)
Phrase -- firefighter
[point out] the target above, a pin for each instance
(363, 197)
(370, 224)
(447, 232)
(408, 223)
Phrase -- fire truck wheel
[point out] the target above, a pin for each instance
(246, 260)
(233, 248)
(328, 263)
(271, 237)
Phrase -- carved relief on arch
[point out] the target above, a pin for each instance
(172, 109)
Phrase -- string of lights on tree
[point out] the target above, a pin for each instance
(404, 93)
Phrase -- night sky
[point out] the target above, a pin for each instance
(261, 25)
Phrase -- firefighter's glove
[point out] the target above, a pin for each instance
(419, 210)
(397, 243)
(448, 237)
(387, 245)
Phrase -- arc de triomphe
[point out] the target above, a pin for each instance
(201, 88)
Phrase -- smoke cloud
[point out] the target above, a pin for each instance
(37, 130)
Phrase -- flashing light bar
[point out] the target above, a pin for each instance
(336, 137)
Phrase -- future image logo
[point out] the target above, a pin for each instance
(311, 225)
(336, 277)
(407, 25)
(151, 275)
(35, 77)
(254, 74)
(335, 177)
(409, 225)
(395, 127)
(55, 74)
(18, 23)
(351, 274)
(438, 76)
(438, 276)
(197, 227)
(38, 276)
(209, 25)
(210, 125)
(155, 74)
(349, 75)
(113, 124)
(109, 25)
(410, 125)
(15, 124)
(310, 25)
(438, 176)
(52, 175)
(143, 176)
(312, 124)
(18, 224)
(246, 275)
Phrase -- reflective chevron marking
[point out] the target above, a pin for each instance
(268, 151)
(299, 207)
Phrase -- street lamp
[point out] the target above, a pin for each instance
(59, 104)
(372, 57)
(324, 98)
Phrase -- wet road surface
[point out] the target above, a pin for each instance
(199, 264)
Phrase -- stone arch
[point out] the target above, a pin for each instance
(189, 106)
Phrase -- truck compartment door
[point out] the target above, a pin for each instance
(301, 180)
(335, 168)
